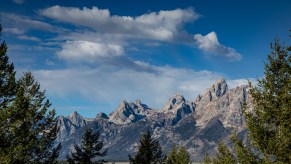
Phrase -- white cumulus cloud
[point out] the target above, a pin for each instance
(166, 26)
(210, 44)
(88, 51)
(162, 25)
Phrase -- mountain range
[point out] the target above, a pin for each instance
(199, 125)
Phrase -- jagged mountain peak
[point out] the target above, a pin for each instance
(178, 98)
(122, 104)
(77, 119)
(199, 125)
(220, 81)
(224, 103)
(176, 109)
(102, 115)
(137, 102)
(124, 107)
(123, 114)
(74, 114)
(129, 112)
(68, 125)
(218, 89)
(140, 108)
(174, 102)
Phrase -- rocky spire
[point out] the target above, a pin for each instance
(140, 108)
(102, 115)
(176, 100)
(123, 114)
(176, 109)
(218, 89)
(77, 119)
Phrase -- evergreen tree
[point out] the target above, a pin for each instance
(269, 126)
(28, 129)
(91, 147)
(7, 92)
(7, 77)
(207, 159)
(243, 153)
(224, 155)
(178, 155)
(172, 156)
(149, 151)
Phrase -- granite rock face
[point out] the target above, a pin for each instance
(127, 113)
(69, 125)
(225, 104)
(176, 109)
(102, 116)
(198, 125)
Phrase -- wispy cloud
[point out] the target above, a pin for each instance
(112, 34)
(94, 59)
(165, 26)
(238, 82)
(210, 44)
(162, 25)
(109, 84)
(18, 1)
(18, 24)
(13, 30)
(31, 38)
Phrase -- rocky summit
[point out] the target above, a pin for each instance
(199, 125)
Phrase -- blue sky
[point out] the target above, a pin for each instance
(89, 55)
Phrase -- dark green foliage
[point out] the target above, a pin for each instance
(27, 128)
(270, 124)
(7, 92)
(91, 147)
(7, 77)
(178, 155)
(243, 153)
(224, 155)
(30, 130)
(207, 159)
(149, 151)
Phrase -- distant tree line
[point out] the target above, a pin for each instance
(28, 129)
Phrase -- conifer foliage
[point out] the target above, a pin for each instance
(90, 148)
(224, 156)
(178, 155)
(27, 128)
(149, 151)
(207, 159)
(269, 124)
(7, 77)
(244, 154)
